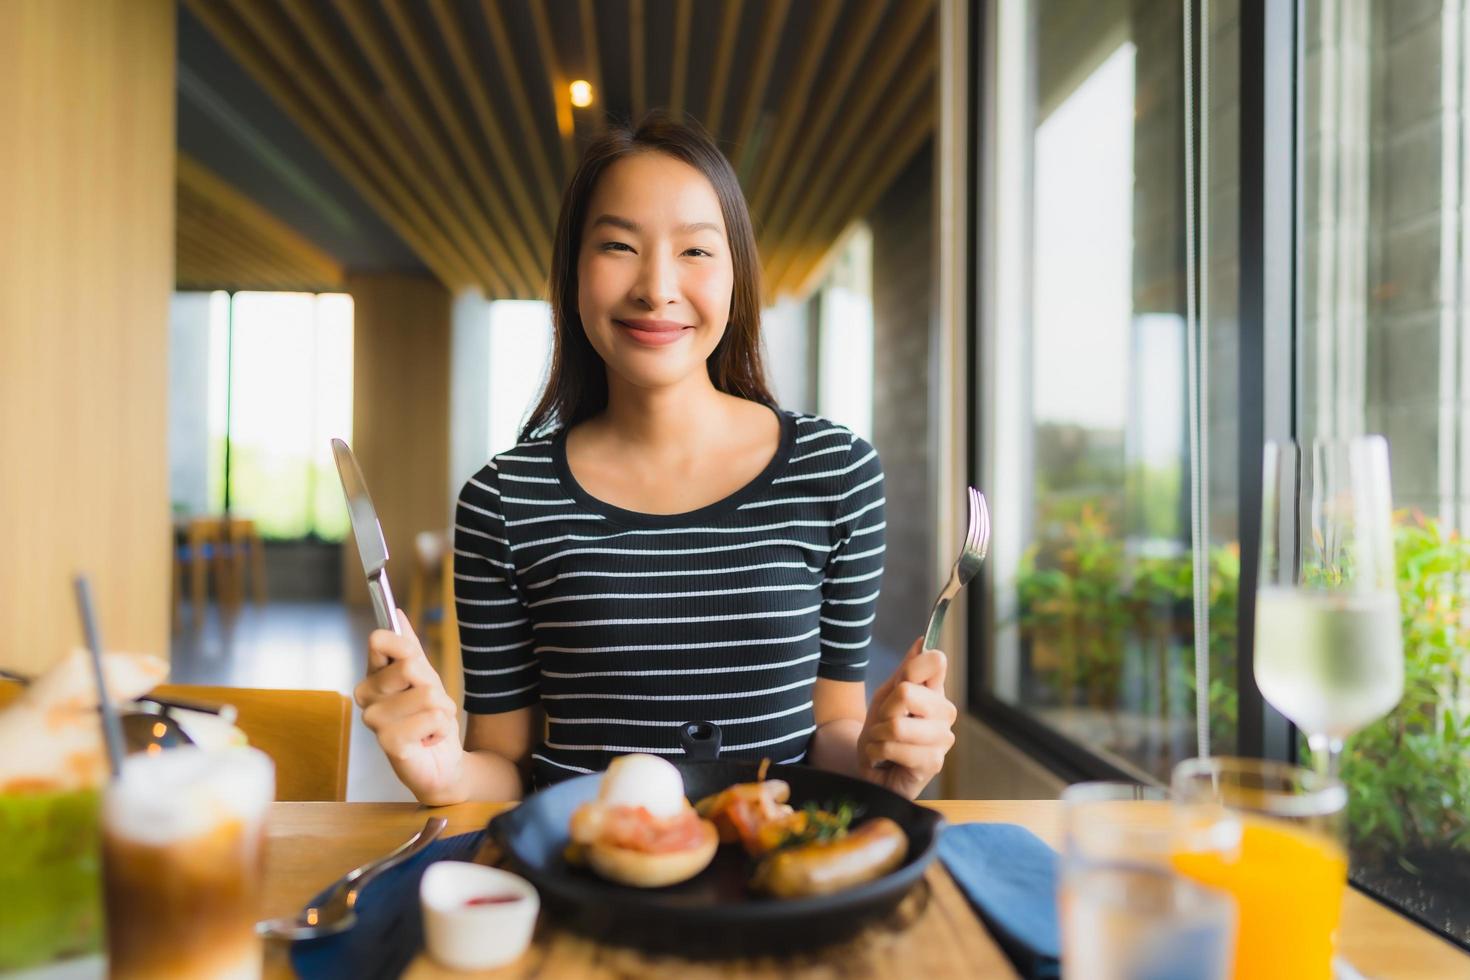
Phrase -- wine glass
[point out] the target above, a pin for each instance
(1328, 643)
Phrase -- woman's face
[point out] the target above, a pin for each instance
(655, 276)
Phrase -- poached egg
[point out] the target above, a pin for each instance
(644, 780)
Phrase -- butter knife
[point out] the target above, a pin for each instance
(369, 534)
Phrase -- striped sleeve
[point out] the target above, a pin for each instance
(500, 667)
(854, 572)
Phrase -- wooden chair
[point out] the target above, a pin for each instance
(200, 553)
(243, 545)
(450, 665)
(425, 592)
(306, 733)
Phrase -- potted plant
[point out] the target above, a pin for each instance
(1408, 775)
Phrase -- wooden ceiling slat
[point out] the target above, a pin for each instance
(724, 55)
(368, 136)
(296, 73)
(822, 219)
(467, 180)
(852, 52)
(891, 86)
(593, 58)
(679, 72)
(196, 182)
(222, 261)
(390, 200)
(551, 178)
(565, 125)
(797, 96)
(233, 242)
(637, 74)
(202, 259)
(500, 260)
(917, 127)
(879, 74)
(523, 232)
(760, 74)
(534, 219)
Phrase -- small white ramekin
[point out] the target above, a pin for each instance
(475, 937)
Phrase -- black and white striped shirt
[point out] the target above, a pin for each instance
(626, 625)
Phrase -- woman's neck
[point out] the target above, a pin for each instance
(664, 419)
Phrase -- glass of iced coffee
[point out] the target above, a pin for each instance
(182, 836)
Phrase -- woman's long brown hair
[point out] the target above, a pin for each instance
(576, 386)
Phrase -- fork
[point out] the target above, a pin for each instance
(972, 556)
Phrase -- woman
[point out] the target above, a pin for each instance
(664, 545)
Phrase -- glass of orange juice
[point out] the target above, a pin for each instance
(1287, 869)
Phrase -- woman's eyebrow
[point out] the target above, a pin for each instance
(628, 224)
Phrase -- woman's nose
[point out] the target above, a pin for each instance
(657, 283)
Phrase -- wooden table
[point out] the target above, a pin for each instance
(310, 844)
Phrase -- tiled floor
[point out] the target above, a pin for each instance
(316, 645)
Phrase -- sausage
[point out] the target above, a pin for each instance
(870, 851)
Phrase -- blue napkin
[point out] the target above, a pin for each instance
(1010, 876)
(389, 931)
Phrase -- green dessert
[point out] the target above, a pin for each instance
(50, 876)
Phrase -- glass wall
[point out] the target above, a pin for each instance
(1090, 385)
(1111, 389)
(1382, 347)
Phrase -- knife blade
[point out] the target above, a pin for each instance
(369, 534)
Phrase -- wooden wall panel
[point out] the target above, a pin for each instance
(400, 415)
(86, 269)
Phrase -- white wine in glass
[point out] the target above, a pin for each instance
(1328, 642)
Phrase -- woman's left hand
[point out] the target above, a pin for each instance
(910, 724)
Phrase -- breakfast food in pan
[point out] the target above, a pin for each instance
(755, 815)
(824, 866)
(811, 851)
(641, 830)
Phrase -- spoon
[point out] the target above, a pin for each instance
(337, 913)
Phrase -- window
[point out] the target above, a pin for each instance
(1295, 249)
(1381, 348)
(501, 351)
(261, 382)
(520, 355)
(1089, 423)
(845, 336)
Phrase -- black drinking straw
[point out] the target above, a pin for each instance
(111, 727)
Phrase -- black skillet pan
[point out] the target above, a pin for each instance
(715, 913)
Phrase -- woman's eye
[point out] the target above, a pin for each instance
(698, 253)
(616, 247)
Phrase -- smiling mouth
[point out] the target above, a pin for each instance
(653, 333)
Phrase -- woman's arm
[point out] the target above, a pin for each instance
(498, 753)
(838, 707)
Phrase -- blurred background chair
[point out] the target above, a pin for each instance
(306, 733)
(448, 660)
(245, 553)
(198, 552)
(425, 589)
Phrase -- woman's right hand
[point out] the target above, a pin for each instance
(404, 704)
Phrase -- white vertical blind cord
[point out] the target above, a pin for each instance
(1197, 355)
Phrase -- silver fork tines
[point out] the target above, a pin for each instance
(966, 566)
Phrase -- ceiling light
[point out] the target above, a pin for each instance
(581, 92)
